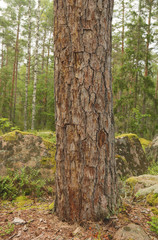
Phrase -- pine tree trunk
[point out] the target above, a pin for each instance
(156, 90)
(14, 65)
(123, 30)
(147, 57)
(16, 79)
(137, 59)
(86, 169)
(36, 69)
(43, 49)
(1, 64)
(46, 83)
(27, 80)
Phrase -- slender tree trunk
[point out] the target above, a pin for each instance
(15, 92)
(43, 49)
(86, 171)
(27, 79)
(123, 30)
(156, 90)
(147, 55)
(137, 58)
(7, 55)
(36, 69)
(14, 66)
(46, 84)
(2, 59)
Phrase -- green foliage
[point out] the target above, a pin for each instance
(7, 229)
(27, 181)
(6, 125)
(50, 136)
(154, 224)
(153, 169)
(134, 68)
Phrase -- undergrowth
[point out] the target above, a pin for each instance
(9, 228)
(25, 182)
(153, 169)
(154, 224)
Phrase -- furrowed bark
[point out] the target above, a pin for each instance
(86, 169)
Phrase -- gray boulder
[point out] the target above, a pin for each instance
(131, 232)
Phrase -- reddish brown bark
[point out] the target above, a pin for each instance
(14, 65)
(86, 171)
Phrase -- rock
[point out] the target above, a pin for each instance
(77, 231)
(145, 187)
(20, 149)
(145, 191)
(131, 232)
(130, 156)
(25, 229)
(152, 150)
(142, 182)
(18, 221)
(19, 233)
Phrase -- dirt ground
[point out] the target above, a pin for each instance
(39, 223)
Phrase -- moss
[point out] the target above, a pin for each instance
(12, 136)
(121, 157)
(131, 181)
(22, 201)
(145, 143)
(152, 199)
(52, 151)
(155, 210)
(129, 135)
(51, 206)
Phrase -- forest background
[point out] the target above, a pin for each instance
(27, 65)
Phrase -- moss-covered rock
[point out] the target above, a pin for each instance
(144, 187)
(22, 149)
(152, 150)
(130, 156)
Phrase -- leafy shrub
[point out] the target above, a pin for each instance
(6, 125)
(154, 224)
(27, 181)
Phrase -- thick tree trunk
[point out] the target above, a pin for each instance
(27, 80)
(86, 169)
(36, 69)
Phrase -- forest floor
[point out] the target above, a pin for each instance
(39, 223)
